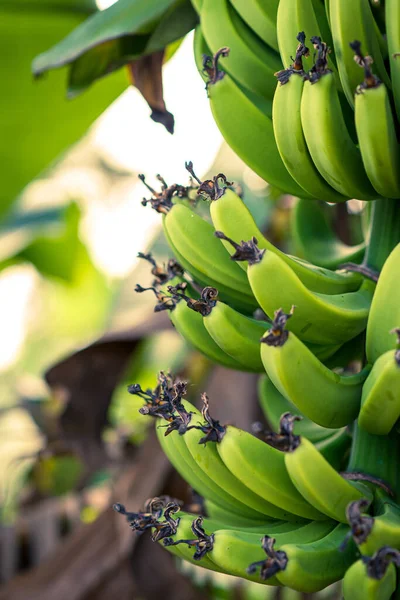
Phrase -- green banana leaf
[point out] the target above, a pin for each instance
(37, 123)
(47, 239)
(116, 36)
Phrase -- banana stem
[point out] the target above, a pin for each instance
(385, 232)
(376, 456)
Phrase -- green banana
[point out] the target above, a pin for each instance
(230, 215)
(320, 484)
(384, 315)
(334, 153)
(274, 405)
(192, 240)
(251, 62)
(392, 10)
(380, 400)
(262, 468)
(304, 567)
(243, 123)
(237, 335)
(208, 460)
(329, 399)
(335, 448)
(370, 533)
(261, 17)
(288, 129)
(349, 22)
(175, 448)
(299, 15)
(359, 584)
(234, 550)
(376, 134)
(319, 318)
(312, 567)
(315, 240)
(189, 323)
(191, 327)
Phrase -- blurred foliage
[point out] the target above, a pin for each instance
(38, 123)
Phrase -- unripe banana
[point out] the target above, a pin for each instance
(329, 399)
(244, 123)
(354, 21)
(262, 468)
(380, 401)
(234, 551)
(274, 405)
(261, 17)
(384, 314)
(359, 584)
(288, 129)
(208, 460)
(319, 318)
(376, 134)
(251, 62)
(230, 215)
(178, 454)
(334, 153)
(312, 567)
(370, 533)
(320, 484)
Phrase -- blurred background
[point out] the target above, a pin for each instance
(73, 332)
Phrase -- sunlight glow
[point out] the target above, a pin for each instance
(16, 289)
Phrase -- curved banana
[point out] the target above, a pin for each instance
(376, 132)
(392, 13)
(334, 153)
(288, 130)
(235, 550)
(384, 315)
(329, 399)
(274, 405)
(246, 127)
(250, 62)
(237, 335)
(178, 454)
(261, 17)
(370, 533)
(312, 567)
(230, 215)
(300, 15)
(192, 240)
(319, 318)
(349, 22)
(191, 327)
(208, 460)
(315, 240)
(262, 468)
(320, 484)
(380, 400)
(361, 583)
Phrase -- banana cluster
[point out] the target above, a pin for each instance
(316, 499)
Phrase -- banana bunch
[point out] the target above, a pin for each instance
(311, 134)
(307, 93)
(278, 512)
